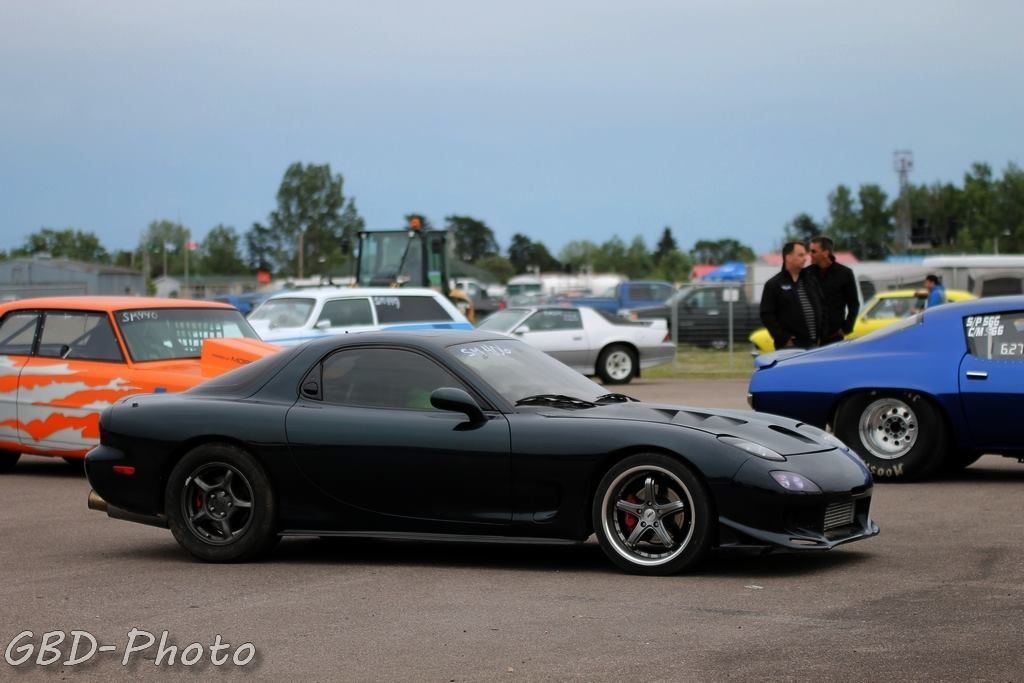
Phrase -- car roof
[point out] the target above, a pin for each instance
(323, 293)
(904, 293)
(434, 340)
(983, 306)
(107, 303)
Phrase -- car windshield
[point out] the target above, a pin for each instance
(517, 371)
(174, 333)
(284, 312)
(502, 321)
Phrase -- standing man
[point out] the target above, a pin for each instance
(792, 306)
(936, 292)
(838, 287)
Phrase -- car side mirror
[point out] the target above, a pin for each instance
(457, 401)
(65, 351)
(324, 324)
(521, 330)
(311, 389)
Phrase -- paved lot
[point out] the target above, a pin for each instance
(938, 596)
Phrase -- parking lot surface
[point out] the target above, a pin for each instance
(939, 595)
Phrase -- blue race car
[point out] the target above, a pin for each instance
(931, 392)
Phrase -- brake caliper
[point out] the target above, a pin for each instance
(630, 519)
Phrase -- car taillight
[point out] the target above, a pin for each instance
(668, 337)
(124, 470)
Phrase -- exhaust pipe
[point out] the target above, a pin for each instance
(97, 503)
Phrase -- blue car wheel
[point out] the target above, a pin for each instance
(900, 435)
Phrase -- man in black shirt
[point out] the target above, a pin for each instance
(792, 307)
(838, 287)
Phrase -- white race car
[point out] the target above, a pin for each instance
(590, 341)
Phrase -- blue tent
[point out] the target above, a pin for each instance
(730, 271)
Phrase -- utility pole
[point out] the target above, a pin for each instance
(903, 164)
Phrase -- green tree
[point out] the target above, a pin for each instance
(312, 222)
(842, 222)
(873, 234)
(220, 252)
(802, 228)
(497, 265)
(263, 250)
(638, 263)
(68, 243)
(123, 258)
(524, 254)
(717, 252)
(579, 254)
(675, 266)
(472, 238)
(164, 240)
(666, 245)
(611, 257)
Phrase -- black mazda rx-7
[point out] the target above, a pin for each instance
(465, 436)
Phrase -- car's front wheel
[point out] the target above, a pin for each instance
(616, 365)
(8, 460)
(220, 505)
(900, 435)
(652, 515)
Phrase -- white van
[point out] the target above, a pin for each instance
(292, 317)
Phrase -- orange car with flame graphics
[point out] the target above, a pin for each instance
(64, 359)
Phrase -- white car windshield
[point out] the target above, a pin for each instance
(284, 311)
(503, 321)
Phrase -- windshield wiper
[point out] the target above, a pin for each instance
(614, 398)
(555, 400)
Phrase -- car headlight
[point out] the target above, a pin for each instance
(752, 448)
(793, 482)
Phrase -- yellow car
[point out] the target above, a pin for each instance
(883, 309)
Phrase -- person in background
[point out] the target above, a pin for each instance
(792, 305)
(936, 292)
(838, 287)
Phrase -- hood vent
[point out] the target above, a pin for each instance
(694, 418)
(794, 435)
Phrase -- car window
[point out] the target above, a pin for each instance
(708, 297)
(502, 321)
(383, 378)
(409, 309)
(175, 333)
(896, 307)
(649, 292)
(347, 312)
(284, 311)
(551, 320)
(996, 337)
(78, 335)
(17, 332)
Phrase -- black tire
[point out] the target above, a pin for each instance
(901, 435)
(206, 507)
(635, 540)
(616, 364)
(8, 460)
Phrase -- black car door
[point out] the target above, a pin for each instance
(372, 440)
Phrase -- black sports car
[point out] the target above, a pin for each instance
(464, 435)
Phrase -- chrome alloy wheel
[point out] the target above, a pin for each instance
(216, 503)
(619, 365)
(888, 428)
(648, 515)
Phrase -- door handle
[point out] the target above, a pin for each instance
(577, 338)
(977, 374)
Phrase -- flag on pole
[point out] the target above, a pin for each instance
(191, 245)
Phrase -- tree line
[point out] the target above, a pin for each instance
(985, 214)
(314, 228)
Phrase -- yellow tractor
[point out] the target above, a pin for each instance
(414, 257)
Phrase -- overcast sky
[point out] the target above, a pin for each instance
(562, 120)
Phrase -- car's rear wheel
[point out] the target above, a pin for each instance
(8, 460)
(900, 435)
(616, 364)
(220, 505)
(652, 515)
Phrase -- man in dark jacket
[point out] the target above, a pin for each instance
(792, 307)
(839, 288)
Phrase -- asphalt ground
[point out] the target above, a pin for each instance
(939, 595)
